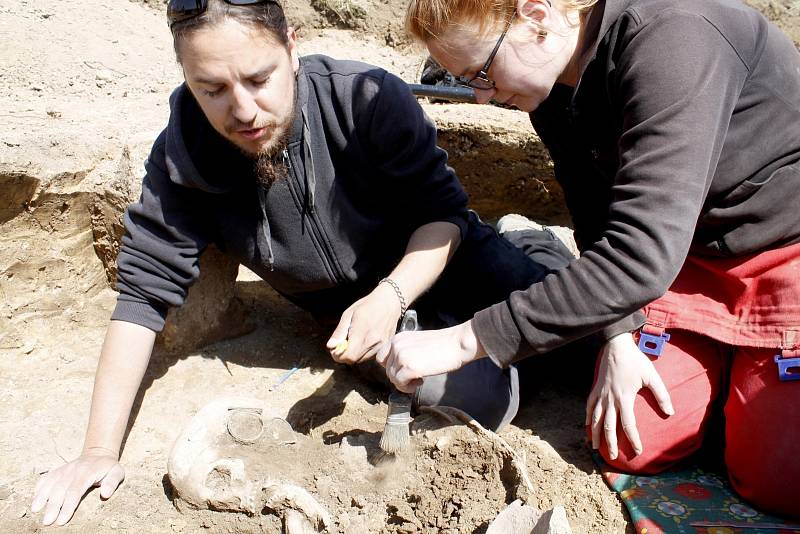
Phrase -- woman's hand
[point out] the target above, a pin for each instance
(365, 325)
(410, 356)
(63, 488)
(624, 370)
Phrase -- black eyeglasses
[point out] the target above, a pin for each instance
(482, 80)
(180, 10)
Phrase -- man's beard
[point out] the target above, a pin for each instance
(269, 164)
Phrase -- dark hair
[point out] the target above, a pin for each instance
(266, 16)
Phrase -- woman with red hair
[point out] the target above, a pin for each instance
(674, 128)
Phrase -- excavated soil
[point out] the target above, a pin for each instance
(83, 93)
(449, 478)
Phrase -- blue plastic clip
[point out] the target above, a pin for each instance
(788, 368)
(652, 345)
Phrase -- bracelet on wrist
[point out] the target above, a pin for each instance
(400, 297)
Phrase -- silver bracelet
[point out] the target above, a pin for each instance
(403, 305)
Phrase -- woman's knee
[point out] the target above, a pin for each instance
(692, 369)
(762, 433)
(666, 440)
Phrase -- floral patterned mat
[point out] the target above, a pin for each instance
(692, 501)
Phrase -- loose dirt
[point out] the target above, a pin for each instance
(450, 478)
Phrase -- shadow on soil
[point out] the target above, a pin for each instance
(285, 337)
(554, 388)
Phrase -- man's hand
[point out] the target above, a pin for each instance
(63, 488)
(365, 325)
(624, 370)
(410, 356)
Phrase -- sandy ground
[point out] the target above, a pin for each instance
(81, 80)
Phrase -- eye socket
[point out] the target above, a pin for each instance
(212, 93)
(261, 82)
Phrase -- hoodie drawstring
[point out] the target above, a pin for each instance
(262, 197)
(309, 174)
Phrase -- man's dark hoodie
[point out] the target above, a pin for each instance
(364, 172)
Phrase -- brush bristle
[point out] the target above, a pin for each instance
(395, 437)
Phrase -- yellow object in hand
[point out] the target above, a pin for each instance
(339, 349)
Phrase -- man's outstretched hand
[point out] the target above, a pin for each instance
(60, 491)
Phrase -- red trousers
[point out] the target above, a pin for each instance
(727, 319)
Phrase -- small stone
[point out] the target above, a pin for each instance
(358, 501)
(470, 473)
(516, 517)
(104, 75)
(553, 522)
(449, 509)
(343, 520)
(401, 512)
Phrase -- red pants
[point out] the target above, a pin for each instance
(727, 320)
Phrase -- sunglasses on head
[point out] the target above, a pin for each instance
(180, 10)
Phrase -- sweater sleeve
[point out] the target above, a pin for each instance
(402, 141)
(159, 257)
(676, 107)
(590, 207)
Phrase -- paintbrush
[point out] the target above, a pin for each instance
(396, 432)
(395, 437)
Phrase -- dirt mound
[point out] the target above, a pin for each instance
(236, 455)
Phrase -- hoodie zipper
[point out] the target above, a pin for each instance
(324, 249)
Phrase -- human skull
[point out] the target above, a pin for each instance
(230, 458)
